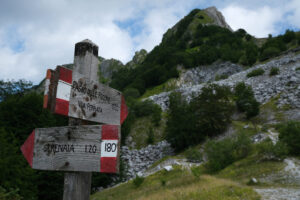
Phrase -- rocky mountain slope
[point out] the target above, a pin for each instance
(285, 85)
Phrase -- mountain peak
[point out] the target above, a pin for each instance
(218, 18)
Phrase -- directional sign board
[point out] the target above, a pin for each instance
(71, 94)
(90, 148)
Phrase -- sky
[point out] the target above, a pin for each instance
(36, 35)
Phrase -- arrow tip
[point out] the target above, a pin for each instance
(27, 148)
(124, 110)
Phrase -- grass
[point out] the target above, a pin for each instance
(249, 167)
(165, 87)
(179, 184)
(140, 128)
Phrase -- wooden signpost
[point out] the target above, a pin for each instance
(79, 149)
(72, 94)
(90, 148)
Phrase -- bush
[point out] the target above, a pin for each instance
(289, 134)
(245, 100)
(150, 139)
(268, 150)
(208, 114)
(131, 92)
(196, 171)
(193, 155)
(269, 53)
(137, 182)
(220, 77)
(222, 153)
(256, 72)
(274, 71)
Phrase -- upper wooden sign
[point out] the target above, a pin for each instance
(72, 94)
(93, 148)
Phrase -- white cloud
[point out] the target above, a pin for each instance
(258, 22)
(294, 13)
(36, 35)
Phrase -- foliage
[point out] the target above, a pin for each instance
(150, 139)
(131, 92)
(256, 72)
(12, 194)
(190, 44)
(222, 153)
(220, 77)
(19, 114)
(208, 114)
(196, 171)
(8, 88)
(193, 155)
(245, 100)
(274, 71)
(137, 182)
(289, 134)
(268, 150)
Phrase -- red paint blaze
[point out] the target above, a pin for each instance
(110, 132)
(108, 165)
(62, 107)
(124, 110)
(48, 75)
(65, 75)
(45, 104)
(27, 148)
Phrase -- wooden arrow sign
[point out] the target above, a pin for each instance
(72, 94)
(92, 148)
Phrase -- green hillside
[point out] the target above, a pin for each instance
(194, 41)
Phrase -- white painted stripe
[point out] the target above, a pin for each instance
(47, 83)
(109, 148)
(63, 90)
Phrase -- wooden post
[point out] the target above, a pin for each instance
(77, 185)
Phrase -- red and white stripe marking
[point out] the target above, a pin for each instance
(63, 91)
(109, 149)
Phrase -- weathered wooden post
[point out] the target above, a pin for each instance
(77, 185)
(79, 149)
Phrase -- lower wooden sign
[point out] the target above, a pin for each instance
(90, 148)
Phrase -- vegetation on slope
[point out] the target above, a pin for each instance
(179, 184)
(192, 42)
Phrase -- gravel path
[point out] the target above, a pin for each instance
(279, 193)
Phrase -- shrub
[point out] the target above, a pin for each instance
(193, 155)
(208, 114)
(269, 53)
(245, 100)
(289, 134)
(256, 72)
(220, 77)
(163, 182)
(13, 194)
(274, 71)
(212, 110)
(150, 139)
(222, 153)
(131, 92)
(289, 36)
(196, 171)
(268, 150)
(137, 182)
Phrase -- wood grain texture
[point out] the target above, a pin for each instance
(68, 148)
(77, 185)
(93, 101)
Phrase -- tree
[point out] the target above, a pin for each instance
(245, 100)
(212, 109)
